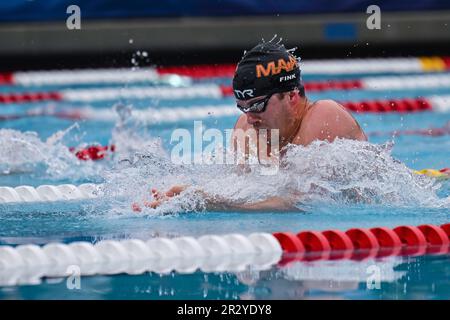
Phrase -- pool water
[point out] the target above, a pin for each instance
(391, 196)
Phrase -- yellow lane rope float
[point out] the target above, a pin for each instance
(439, 174)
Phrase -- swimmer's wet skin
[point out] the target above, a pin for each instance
(269, 91)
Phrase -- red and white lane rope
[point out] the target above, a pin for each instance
(110, 94)
(175, 114)
(345, 66)
(216, 91)
(27, 264)
(328, 67)
(149, 74)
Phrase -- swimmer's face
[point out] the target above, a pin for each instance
(277, 114)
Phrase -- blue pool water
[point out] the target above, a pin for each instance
(391, 198)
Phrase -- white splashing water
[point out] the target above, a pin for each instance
(341, 172)
(22, 152)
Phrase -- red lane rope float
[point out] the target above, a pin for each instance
(93, 152)
(30, 97)
(314, 241)
(314, 86)
(333, 85)
(398, 105)
(446, 62)
(413, 239)
(436, 238)
(434, 235)
(340, 244)
(6, 78)
(362, 238)
(360, 243)
(292, 245)
(200, 71)
(289, 242)
(365, 240)
(389, 241)
(446, 228)
(411, 236)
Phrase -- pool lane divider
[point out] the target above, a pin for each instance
(27, 264)
(154, 75)
(176, 114)
(327, 67)
(363, 243)
(174, 92)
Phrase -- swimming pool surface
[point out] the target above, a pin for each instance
(31, 154)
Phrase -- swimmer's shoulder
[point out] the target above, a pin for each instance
(320, 113)
(325, 107)
(328, 119)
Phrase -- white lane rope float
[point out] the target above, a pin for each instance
(28, 264)
(93, 76)
(49, 193)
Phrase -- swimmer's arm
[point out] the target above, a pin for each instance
(218, 203)
(268, 205)
(272, 204)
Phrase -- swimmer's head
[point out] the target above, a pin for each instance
(266, 69)
(268, 87)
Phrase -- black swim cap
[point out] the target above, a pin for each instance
(266, 69)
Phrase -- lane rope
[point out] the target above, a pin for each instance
(175, 114)
(29, 263)
(218, 91)
(149, 74)
(49, 193)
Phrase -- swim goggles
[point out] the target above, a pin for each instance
(258, 106)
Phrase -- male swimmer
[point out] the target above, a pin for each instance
(269, 91)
